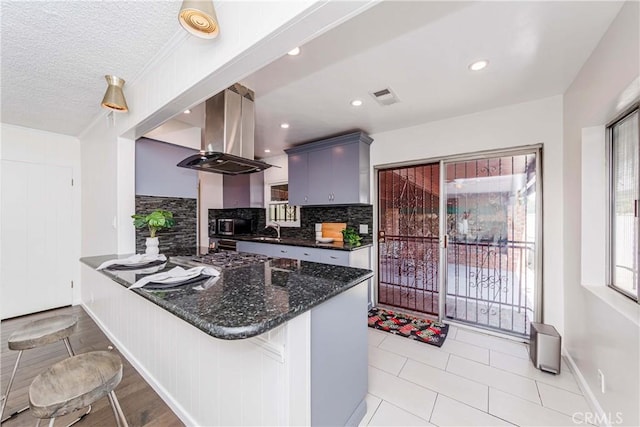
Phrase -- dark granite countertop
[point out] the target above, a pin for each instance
(340, 246)
(249, 300)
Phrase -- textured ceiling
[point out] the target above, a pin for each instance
(55, 55)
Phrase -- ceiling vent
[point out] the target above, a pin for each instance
(385, 97)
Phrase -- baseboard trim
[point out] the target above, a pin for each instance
(181, 413)
(586, 391)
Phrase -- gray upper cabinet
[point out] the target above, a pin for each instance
(330, 171)
(298, 179)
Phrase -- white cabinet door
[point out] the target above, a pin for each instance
(36, 249)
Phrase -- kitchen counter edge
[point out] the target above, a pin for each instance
(216, 331)
(336, 246)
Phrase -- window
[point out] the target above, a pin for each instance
(624, 161)
(278, 209)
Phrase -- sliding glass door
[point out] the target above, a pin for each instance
(469, 227)
(491, 226)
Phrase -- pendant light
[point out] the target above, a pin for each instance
(114, 97)
(199, 18)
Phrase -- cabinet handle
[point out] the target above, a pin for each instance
(333, 257)
(329, 196)
(284, 252)
(306, 199)
(305, 254)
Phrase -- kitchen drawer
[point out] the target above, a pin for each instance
(335, 257)
(325, 256)
(268, 249)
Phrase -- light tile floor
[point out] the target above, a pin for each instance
(474, 379)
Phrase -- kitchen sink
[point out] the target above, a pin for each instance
(267, 239)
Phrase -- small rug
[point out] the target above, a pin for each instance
(424, 330)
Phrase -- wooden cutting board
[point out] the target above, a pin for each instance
(333, 230)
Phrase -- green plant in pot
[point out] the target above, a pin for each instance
(155, 221)
(351, 236)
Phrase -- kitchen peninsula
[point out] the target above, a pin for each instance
(270, 342)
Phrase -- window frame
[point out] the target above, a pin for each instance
(635, 108)
(269, 202)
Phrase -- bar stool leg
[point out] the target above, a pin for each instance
(6, 396)
(117, 410)
(68, 345)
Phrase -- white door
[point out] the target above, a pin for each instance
(37, 241)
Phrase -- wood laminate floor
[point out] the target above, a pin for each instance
(140, 403)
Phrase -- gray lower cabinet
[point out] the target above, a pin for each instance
(360, 258)
(331, 171)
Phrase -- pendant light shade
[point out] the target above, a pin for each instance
(199, 18)
(114, 97)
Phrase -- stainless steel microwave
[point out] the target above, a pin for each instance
(233, 226)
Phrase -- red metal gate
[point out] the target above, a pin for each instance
(408, 252)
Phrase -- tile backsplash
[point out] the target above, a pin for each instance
(181, 238)
(353, 215)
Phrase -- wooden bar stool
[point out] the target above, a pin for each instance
(37, 334)
(76, 382)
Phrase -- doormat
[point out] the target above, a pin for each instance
(424, 330)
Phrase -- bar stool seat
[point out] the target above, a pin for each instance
(75, 383)
(37, 334)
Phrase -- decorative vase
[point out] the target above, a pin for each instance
(152, 246)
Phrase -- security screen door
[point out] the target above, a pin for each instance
(487, 211)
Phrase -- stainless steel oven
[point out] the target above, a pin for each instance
(226, 246)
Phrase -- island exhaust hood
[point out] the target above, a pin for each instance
(228, 135)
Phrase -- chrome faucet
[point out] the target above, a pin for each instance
(275, 226)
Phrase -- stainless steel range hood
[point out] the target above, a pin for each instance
(228, 135)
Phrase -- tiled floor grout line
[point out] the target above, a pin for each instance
(539, 394)
(489, 400)
(449, 358)
(393, 404)
(459, 376)
(377, 407)
(560, 388)
(542, 406)
(489, 387)
(439, 348)
(406, 359)
(488, 411)
(536, 379)
(433, 408)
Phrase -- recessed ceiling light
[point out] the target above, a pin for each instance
(187, 111)
(266, 150)
(356, 103)
(478, 65)
(284, 125)
(293, 52)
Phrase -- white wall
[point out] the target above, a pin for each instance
(36, 146)
(178, 133)
(537, 122)
(210, 198)
(598, 333)
(277, 174)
